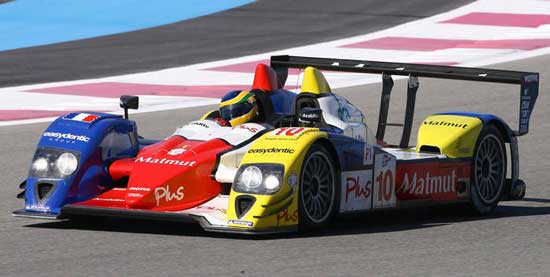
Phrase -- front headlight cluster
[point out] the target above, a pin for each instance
(259, 178)
(53, 163)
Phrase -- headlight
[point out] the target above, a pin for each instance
(259, 178)
(66, 163)
(251, 178)
(271, 182)
(40, 165)
(53, 163)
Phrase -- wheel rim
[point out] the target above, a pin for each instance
(317, 189)
(489, 169)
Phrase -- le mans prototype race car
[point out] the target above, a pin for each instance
(309, 158)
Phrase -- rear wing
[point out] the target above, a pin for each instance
(528, 81)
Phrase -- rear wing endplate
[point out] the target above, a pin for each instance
(529, 82)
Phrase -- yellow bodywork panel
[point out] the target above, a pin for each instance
(286, 146)
(314, 81)
(454, 135)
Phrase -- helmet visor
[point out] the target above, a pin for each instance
(235, 110)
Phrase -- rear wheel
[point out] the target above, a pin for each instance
(318, 188)
(488, 170)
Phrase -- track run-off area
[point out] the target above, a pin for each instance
(496, 34)
(458, 37)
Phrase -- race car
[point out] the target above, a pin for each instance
(305, 159)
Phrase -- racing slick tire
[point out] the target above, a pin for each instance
(488, 170)
(318, 192)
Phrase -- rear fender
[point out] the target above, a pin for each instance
(452, 135)
(509, 137)
(286, 146)
(455, 134)
(504, 128)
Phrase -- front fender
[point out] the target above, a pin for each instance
(82, 137)
(286, 146)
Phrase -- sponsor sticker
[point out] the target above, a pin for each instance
(211, 208)
(82, 117)
(178, 151)
(344, 114)
(307, 117)
(200, 123)
(65, 137)
(384, 181)
(425, 184)
(531, 78)
(525, 111)
(446, 124)
(167, 195)
(430, 181)
(37, 207)
(165, 161)
(292, 180)
(286, 217)
(289, 131)
(249, 127)
(356, 190)
(139, 189)
(241, 222)
(368, 154)
(272, 150)
(109, 199)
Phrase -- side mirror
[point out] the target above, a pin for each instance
(129, 102)
(310, 117)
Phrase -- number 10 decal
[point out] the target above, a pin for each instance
(384, 181)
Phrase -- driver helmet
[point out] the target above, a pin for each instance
(238, 107)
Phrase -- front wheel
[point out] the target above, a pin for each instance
(318, 188)
(488, 170)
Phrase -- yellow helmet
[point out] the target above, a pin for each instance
(238, 107)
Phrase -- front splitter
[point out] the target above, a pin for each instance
(72, 211)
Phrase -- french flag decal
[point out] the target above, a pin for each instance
(82, 117)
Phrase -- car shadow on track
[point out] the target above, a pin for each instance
(539, 200)
(377, 222)
(402, 220)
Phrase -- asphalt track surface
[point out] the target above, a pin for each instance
(514, 241)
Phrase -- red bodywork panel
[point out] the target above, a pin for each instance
(167, 176)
